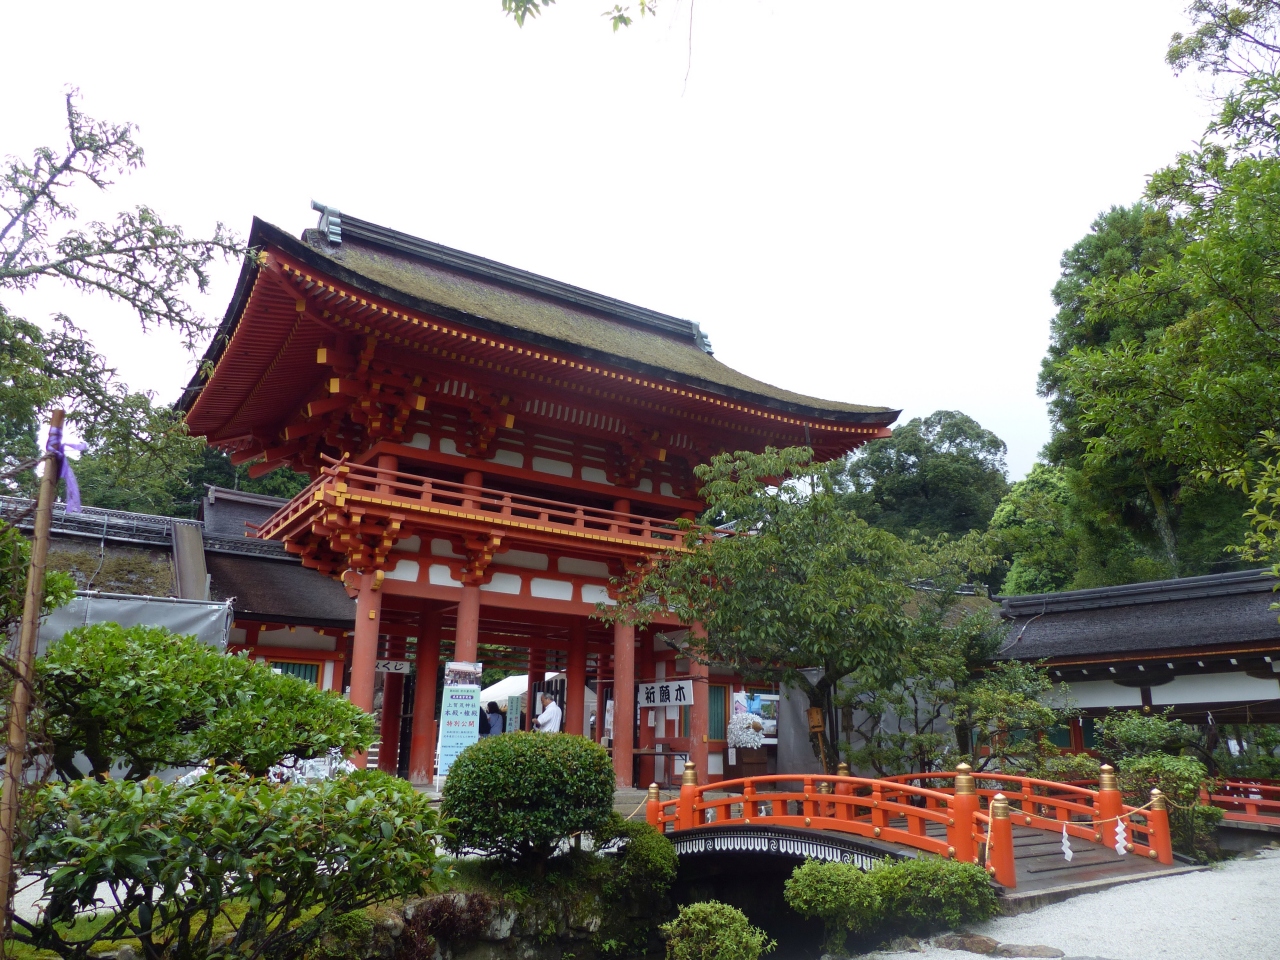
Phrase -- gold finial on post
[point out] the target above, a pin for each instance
(1107, 778)
(965, 784)
(824, 787)
(999, 807)
(842, 769)
(690, 774)
(653, 792)
(1157, 799)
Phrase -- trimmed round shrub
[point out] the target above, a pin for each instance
(714, 931)
(839, 894)
(929, 893)
(518, 796)
(646, 862)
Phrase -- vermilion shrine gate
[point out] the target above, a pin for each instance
(488, 448)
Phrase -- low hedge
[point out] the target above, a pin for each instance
(714, 931)
(518, 796)
(909, 896)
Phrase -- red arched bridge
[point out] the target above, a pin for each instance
(1025, 832)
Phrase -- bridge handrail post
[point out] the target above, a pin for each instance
(964, 804)
(1158, 837)
(879, 816)
(750, 808)
(843, 811)
(1110, 802)
(653, 808)
(1000, 863)
(685, 811)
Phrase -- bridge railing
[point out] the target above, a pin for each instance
(1244, 801)
(948, 820)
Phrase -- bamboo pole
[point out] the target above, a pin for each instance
(21, 702)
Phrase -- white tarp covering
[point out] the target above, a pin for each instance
(209, 621)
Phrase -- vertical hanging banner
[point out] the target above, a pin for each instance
(459, 712)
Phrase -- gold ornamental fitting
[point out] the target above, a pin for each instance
(690, 773)
(965, 785)
(951, 852)
(824, 787)
(1107, 778)
(842, 769)
(653, 791)
(1157, 800)
(999, 807)
(876, 831)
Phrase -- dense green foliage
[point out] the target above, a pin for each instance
(15, 560)
(175, 857)
(714, 931)
(149, 699)
(940, 474)
(645, 860)
(517, 797)
(804, 593)
(841, 895)
(916, 896)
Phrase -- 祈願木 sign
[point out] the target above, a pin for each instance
(665, 693)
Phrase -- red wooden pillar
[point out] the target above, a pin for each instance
(576, 678)
(699, 715)
(422, 746)
(466, 637)
(537, 673)
(392, 706)
(624, 700)
(364, 649)
(645, 672)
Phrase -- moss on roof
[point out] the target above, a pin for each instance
(523, 312)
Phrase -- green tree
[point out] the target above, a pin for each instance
(136, 259)
(939, 474)
(150, 699)
(802, 592)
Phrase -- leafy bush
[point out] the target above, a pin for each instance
(839, 894)
(714, 931)
(914, 896)
(1193, 827)
(1128, 733)
(646, 862)
(926, 893)
(292, 858)
(152, 699)
(519, 796)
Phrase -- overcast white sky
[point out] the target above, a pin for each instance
(864, 202)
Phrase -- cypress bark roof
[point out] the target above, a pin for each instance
(1164, 615)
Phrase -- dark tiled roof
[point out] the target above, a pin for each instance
(226, 512)
(279, 591)
(1216, 610)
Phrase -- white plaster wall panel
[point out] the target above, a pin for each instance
(577, 567)
(404, 570)
(595, 475)
(555, 467)
(548, 589)
(595, 593)
(326, 680)
(524, 559)
(409, 545)
(666, 490)
(299, 638)
(1214, 688)
(441, 576)
(510, 458)
(448, 446)
(645, 485)
(503, 583)
(420, 440)
(443, 548)
(1103, 693)
(715, 764)
(237, 636)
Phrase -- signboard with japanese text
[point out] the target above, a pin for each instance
(394, 666)
(665, 693)
(459, 722)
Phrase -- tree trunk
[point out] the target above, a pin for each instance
(1162, 523)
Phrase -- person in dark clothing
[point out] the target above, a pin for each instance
(484, 723)
(497, 722)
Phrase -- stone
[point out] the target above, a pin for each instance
(972, 942)
(501, 924)
(391, 924)
(904, 945)
(126, 952)
(1027, 950)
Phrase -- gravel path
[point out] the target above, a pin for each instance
(1228, 913)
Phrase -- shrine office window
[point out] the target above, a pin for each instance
(303, 671)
